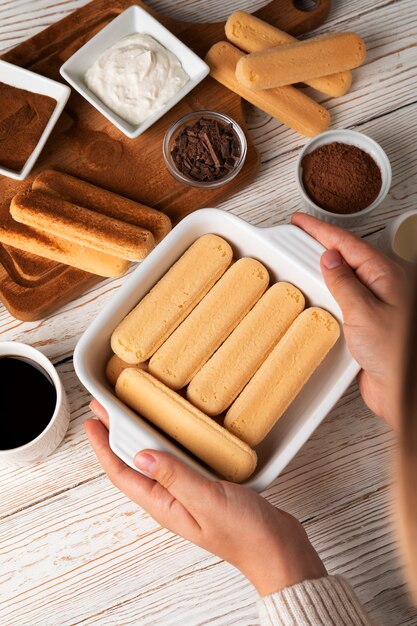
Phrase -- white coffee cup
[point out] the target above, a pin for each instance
(49, 439)
(399, 239)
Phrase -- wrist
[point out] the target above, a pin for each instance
(277, 561)
(382, 397)
(273, 578)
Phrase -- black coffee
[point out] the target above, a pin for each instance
(27, 401)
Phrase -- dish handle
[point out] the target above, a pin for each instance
(126, 439)
(298, 245)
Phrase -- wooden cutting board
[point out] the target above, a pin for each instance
(87, 145)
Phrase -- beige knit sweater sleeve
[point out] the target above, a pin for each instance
(328, 601)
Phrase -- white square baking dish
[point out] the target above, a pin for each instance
(25, 79)
(289, 254)
(133, 20)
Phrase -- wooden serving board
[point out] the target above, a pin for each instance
(87, 145)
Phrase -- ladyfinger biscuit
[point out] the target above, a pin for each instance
(282, 376)
(301, 61)
(226, 454)
(79, 225)
(287, 104)
(223, 377)
(188, 348)
(251, 34)
(102, 201)
(115, 367)
(169, 302)
(56, 249)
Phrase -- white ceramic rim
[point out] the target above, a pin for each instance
(397, 222)
(202, 184)
(362, 141)
(393, 229)
(56, 113)
(46, 364)
(130, 130)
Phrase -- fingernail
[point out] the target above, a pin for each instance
(93, 407)
(145, 462)
(331, 259)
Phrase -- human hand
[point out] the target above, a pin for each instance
(371, 291)
(269, 546)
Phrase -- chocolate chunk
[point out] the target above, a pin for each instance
(206, 151)
(183, 142)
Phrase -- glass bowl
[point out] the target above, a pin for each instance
(188, 120)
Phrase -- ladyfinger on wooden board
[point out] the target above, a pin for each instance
(251, 34)
(226, 454)
(282, 375)
(161, 311)
(58, 249)
(82, 226)
(224, 376)
(188, 348)
(301, 61)
(287, 104)
(102, 201)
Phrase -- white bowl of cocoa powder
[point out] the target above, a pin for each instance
(343, 176)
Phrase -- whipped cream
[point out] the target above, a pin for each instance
(136, 77)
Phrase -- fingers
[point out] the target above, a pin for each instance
(180, 480)
(159, 499)
(353, 249)
(350, 294)
(130, 482)
(374, 269)
(176, 477)
(100, 412)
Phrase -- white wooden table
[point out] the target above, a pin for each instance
(73, 550)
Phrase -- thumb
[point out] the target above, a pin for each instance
(181, 481)
(346, 288)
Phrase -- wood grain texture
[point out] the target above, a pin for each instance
(75, 551)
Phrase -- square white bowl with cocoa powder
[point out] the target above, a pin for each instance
(22, 78)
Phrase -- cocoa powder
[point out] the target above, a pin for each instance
(23, 117)
(341, 178)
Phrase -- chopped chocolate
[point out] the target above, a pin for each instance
(206, 151)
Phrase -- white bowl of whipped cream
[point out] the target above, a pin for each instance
(134, 70)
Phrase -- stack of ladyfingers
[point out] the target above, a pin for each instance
(74, 222)
(214, 339)
(276, 61)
